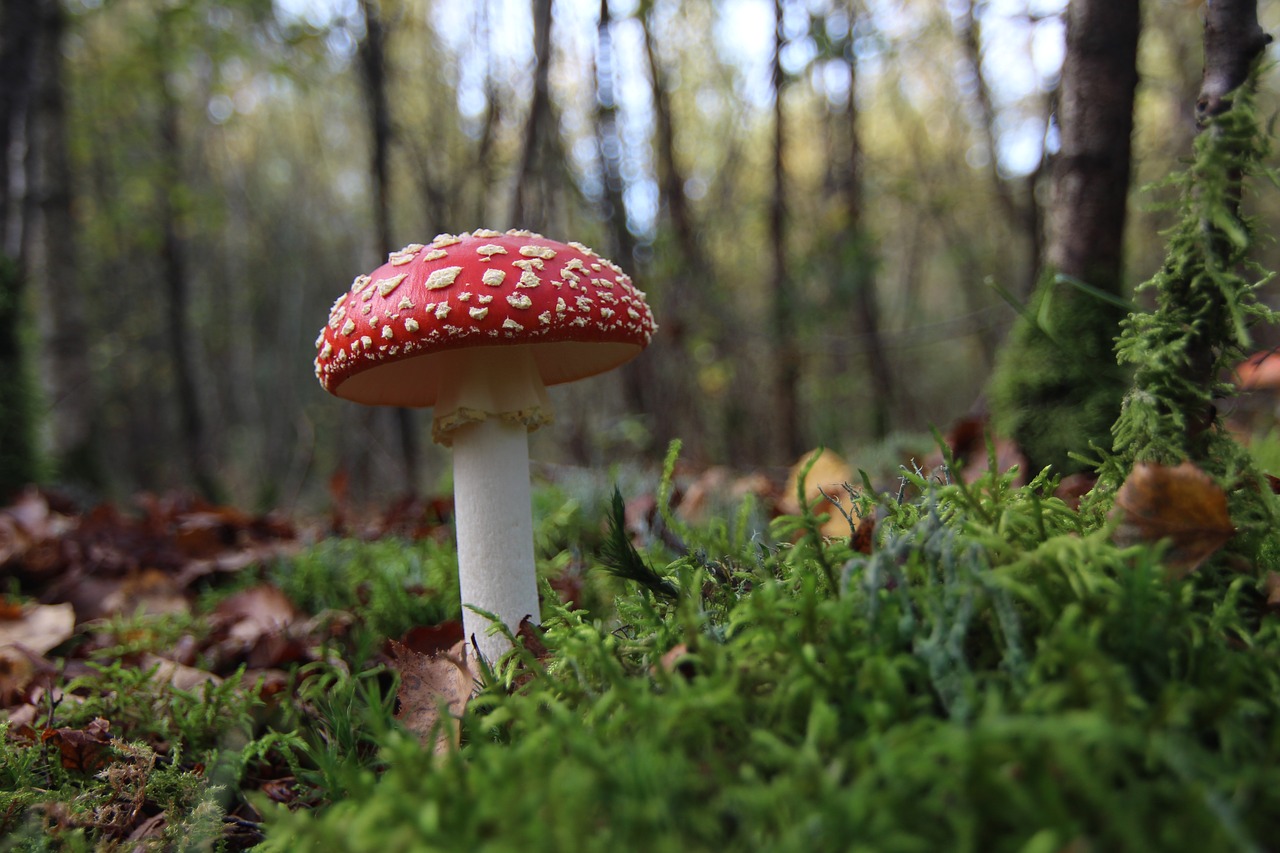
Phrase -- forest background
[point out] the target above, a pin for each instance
(833, 205)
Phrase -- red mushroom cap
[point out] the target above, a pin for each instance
(580, 312)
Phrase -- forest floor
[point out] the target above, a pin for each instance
(189, 676)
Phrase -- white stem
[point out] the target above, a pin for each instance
(493, 513)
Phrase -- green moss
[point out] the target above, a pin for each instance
(995, 676)
(1057, 387)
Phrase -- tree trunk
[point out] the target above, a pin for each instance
(68, 380)
(609, 141)
(531, 202)
(18, 37)
(373, 65)
(637, 375)
(860, 263)
(1233, 39)
(19, 459)
(1058, 387)
(1091, 173)
(783, 326)
(177, 284)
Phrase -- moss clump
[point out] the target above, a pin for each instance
(1206, 302)
(995, 676)
(1057, 387)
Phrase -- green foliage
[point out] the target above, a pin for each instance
(143, 703)
(1206, 301)
(621, 558)
(995, 676)
(392, 584)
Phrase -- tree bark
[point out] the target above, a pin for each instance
(1095, 118)
(1233, 39)
(637, 376)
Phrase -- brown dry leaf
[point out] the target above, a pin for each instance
(429, 686)
(678, 659)
(828, 475)
(256, 611)
(84, 749)
(259, 626)
(1271, 588)
(179, 675)
(530, 636)
(433, 639)
(40, 628)
(1180, 504)
(864, 538)
(148, 591)
(18, 669)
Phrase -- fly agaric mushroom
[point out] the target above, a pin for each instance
(477, 325)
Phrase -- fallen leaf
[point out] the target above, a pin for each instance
(433, 639)
(149, 591)
(434, 690)
(865, 534)
(253, 612)
(1271, 588)
(39, 628)
(825, 480)
(530, 636)
(678, 659)
(1075, 486)
(17, 671)
(84, 749)
(179, 675)
(1181, 505)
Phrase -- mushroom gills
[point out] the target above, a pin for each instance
(483, 383)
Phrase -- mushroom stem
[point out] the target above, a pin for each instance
(492, 509)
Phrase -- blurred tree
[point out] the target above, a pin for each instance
(372, 54)
(1022, 213)
(784, 331)
(540, 166)
(55, 245)
(173, 212)
(20, 35)
(1057, 386)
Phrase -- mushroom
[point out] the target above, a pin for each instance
(477, 325)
